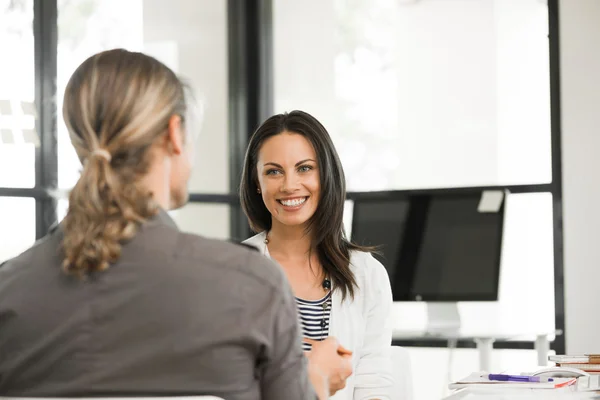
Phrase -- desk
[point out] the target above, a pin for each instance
(484, 342)
(568, 393)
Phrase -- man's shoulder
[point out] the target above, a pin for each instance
(43, 248)
(242, 259)
(196, 246)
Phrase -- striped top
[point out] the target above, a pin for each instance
(314, 318)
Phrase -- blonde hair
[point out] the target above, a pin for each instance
(116, 104)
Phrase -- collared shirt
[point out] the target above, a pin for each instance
(177, 314)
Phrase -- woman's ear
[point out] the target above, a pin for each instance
(257, 184)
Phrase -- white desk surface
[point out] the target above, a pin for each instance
(400, 334)
(521, 394)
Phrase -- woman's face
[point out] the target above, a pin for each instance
(288, 178)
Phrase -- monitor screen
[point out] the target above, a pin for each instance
(435, 247)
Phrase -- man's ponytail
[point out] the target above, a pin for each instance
(116, 104)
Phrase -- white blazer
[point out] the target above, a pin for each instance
(363, 325)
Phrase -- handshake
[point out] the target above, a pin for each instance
(329, 365)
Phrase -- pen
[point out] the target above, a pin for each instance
(518, 378)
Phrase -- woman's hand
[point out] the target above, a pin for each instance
(333, 360)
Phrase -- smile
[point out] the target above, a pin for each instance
(293, 202)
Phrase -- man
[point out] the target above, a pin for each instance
(116, 301)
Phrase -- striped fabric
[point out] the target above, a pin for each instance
(314, 318)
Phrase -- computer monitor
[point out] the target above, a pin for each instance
(440, 248)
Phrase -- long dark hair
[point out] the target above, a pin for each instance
(327, 224)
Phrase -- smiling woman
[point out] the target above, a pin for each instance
(291, 159)
(290, 189)
(293, 192)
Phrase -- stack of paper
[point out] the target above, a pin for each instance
(589, 363)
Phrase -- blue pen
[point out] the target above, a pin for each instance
(518, 378)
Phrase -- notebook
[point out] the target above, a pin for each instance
(586, 358)
(582, 366)
(478, 379)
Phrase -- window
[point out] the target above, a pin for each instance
(437, 94)
(526, 274)
(86, 27)
(430, 94)
(17, 125)
(17, 110)
(526, 271)
(184, 36)
(18, 226)
(421, 94)
(191, 37)
(208, 220)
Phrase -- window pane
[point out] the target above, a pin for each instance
(61, 209)
(203, 219)
(210, 220)
(412, 97)
(348, 210)
(84, 28)
(17, 109)
(191, 37)
(17, 231)
(188, 36)
(526, 270)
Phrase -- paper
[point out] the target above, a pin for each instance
(568, 359)
(491, 201)
(586, 358)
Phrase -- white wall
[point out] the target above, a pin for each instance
(580, 112)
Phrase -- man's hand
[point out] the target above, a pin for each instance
(333, 360)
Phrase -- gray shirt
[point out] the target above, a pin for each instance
(176, 315)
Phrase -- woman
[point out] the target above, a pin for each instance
(293, 193)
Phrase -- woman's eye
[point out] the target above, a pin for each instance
(305, 168)
(272, 172)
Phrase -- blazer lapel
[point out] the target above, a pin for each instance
(337, 317)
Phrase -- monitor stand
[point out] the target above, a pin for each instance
(443, 318)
